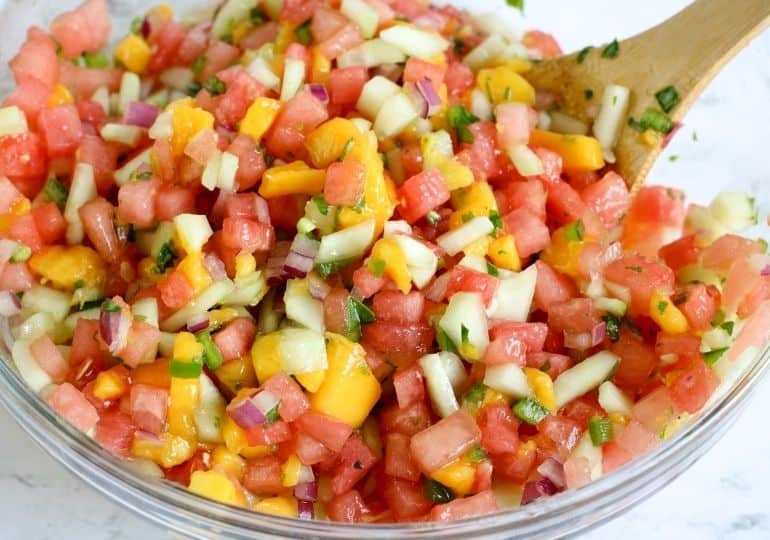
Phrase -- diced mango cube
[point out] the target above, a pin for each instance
(350, 390)
(650, 138)
(322, 66)
(542, 387)
(290, 471)
(216, 485)
(479, 248)
(222, 316)
(388, 250)
(236, 374)
(579, 152)
(259, 117)
(66, 266)
(134, 53)
(187, 120)
(266, 355)
(245, 264)
(169, 451)
(563, 253)
(294, 178)
(502, 85)
(329, 140)
(183, 399)
(458, 476)
(668, 316)
(503, 253)
(60, 96)
(311, 381)
(228, 461)
(186, 347)
(195, 272)
(236, 442)
(285, 506)
(110, 385)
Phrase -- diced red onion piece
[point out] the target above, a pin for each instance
(305, 510)
(274, 270)
(147, 436)
(307, 247)
(579, 341)
(141, 114)
(318, 287)
(319, 92)
(537, 489)
(109, 323)
(263, 211)
(437, 291)
(597, 334)
(553, 470)
(393, 228)
(9, 304)
(198, 322)
(265, 401)
(215, 266)
(306, 491)
(420, 104)
(305, 474)
(146, 29)
(246, 414)
(431, 96)
(297, 266)
(765, 271)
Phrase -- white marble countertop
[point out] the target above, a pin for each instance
(725, 495)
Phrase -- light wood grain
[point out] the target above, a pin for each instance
(686, 51)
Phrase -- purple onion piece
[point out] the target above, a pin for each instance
(419, 102)
(305, 510)
(215, 266)
(430, 95)
(297, 266)
(141, 114)
(598, 332)
(307, 491)
(109, 326)
(766, 271)
(553, 470)
(146, 29)
(318, 287)
(9, 304)
(319, 92)
(246, 414)
(307, 247)
(537, 489)
(198, 322)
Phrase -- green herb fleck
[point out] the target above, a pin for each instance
(492, 270)
(530, 410)
(346, 149)
(328, 268)
(467, 216)
(673, 157)
(477, 454)
(272, 415)
(695, 136)
(55, 191)
(719, 318)
(21, 254)
(144, 175)
(496, 219)
(435, 491)
(583, 54)
(459, 119)
(613, 327)
(376, 267)
(518, 4)
(459, 45)
(601, 430)
(728, 327)
(215, 86)
(97, 60)
(257, 17)
(464, 335)
(712, 357)
(212, 357)
(165, 257)
(136, 25)
(667, 97)
(182, 369)
(303, 33)
(79, 284)
(445, 343)
(110, 307)
(612, 50)
(321, 204)
(589, 93)
(662, 306)
(574, 232)
(652, 119)
(475, 395)
(198, 64)
(433, 217)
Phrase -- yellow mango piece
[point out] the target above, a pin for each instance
(493, 397)
(311, 381)
(388, 250)
(285, 506)
(563, 253)
(192, 267)
(321, 66)
(503, 253)
(237, 374)
(458, 476)
(230, 462)
(328, 141)
(109, 385)
(66, 266)
(183, 398)
(186, 346)
(477, 199)
(216, 485)
(219, 317)
(245, 264)
(266, 356)
(503, 84)
(579, 152)
(169, 451)
(294, 178)
(456, 175)
(519, 65)
(240, 31)
(259, 117)
(349, 390)
(187, 120)
(668, 316)
(134, 53)
(236, 442)
(60, 96)
(285, 37)
(290, 471)
(542, 387)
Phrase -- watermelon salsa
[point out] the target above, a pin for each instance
(338, 260)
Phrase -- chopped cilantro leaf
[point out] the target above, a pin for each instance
(492, 270)
(673, 157)
(662, 306)
(110, 307)
(652, 119)
(435, 491)
(165, 257)
(376, 267)
(612, 50)
(475, 394)
(497, 221)
(467, 216)
(303, 33)
(215, 86)
(613, 327)
(464, 334)
(136, 25)
(583, 54)
(728, 327)
(445, 343)
(574, 232)
(198, 64)
(327, 269)
(21, 254)
(518, 4)
(55, 191)
(477, 454)
(321, 204)
(433, 217)
(272, 415)
(257, 17)
(346, 149)
(712, 357)
(459, 119)
(144, 175)
(667, 97)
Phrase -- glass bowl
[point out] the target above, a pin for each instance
(176, 509)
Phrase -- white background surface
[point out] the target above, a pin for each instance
(726, 495)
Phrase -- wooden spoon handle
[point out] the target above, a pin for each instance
(691, 47)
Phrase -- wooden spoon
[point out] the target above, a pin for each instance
(685, 51)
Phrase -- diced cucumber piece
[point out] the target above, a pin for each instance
(420, 259)
(564, 123)
(415, 42)
(346, 244)
(374, 94)
(147, 310)
(436, 147)
(716, 338)
(293, 78)
(302, 351)
(454, 241)
(35, 326)
(465, 323)
(700, 219)
(209, 413)
(586, 449)
(123, 175)
(612, 115)
(82, 190)
(72, 320)
(249, 290)
(454, 368)
(611, 305)
(372, 53)
(193, 231)
(486, 52)
(30, 371)
(514, 295)
(584, 377)
(12, 121)
(736, 211)
(301, 307)
(361, 13)
(207, 299)
(166, 345)
(44, 299)
(525, 160)
(613, 400)
(230, 14)
(440, 389)
(395, 115)
(508, 379)
(696, 273)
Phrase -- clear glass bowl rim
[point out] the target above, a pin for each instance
(565, 514)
